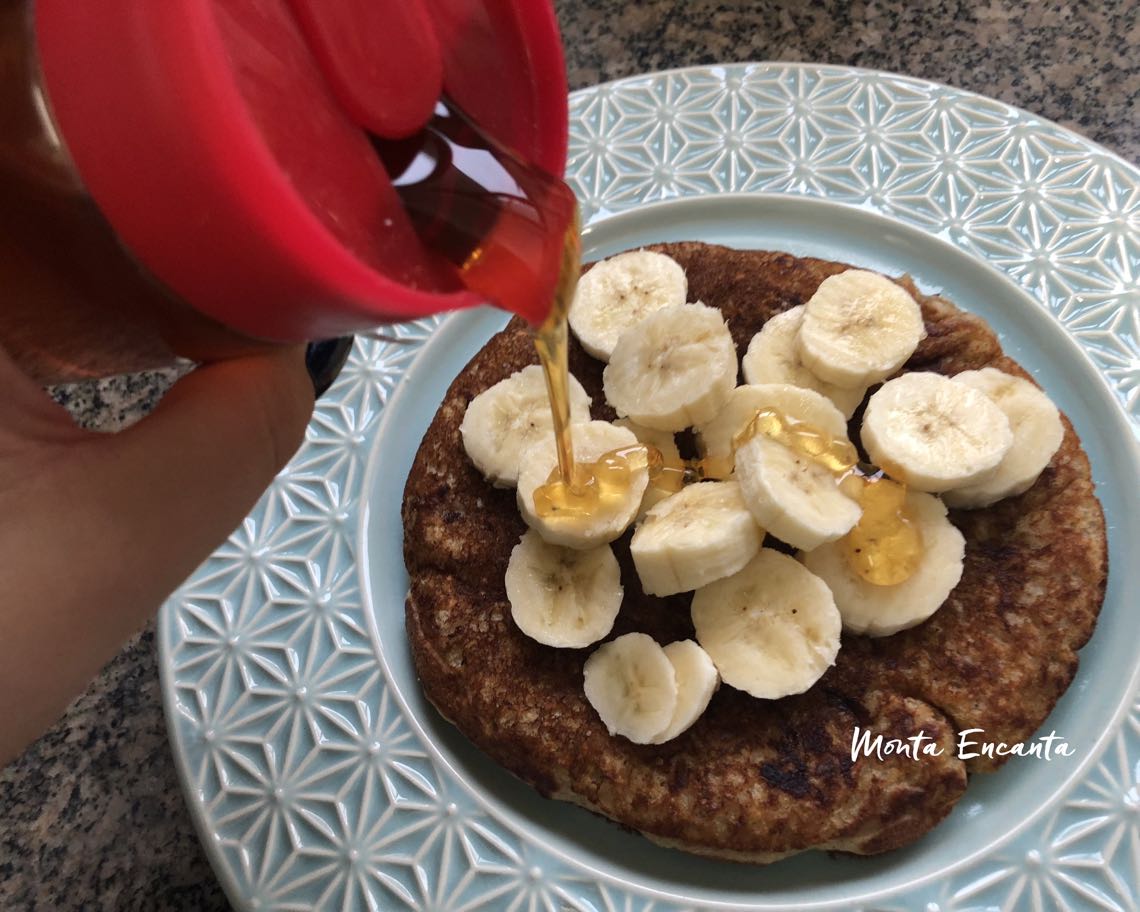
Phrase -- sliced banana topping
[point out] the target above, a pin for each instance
(610, 517)
(620, 292)
(697, 681)
(703, 533)
(561, 596)
(631, 684)
(883, 610)
(859, 328)
(798, 403)
(674, 369)
(792, 495)
(1037, 434)
(934, 433)
(773, 356)
(514, 414)
(765, 623)
(771, 629)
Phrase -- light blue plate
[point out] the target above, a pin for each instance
(320, 778)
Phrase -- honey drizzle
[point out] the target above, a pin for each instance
(885, 546)
(608, 476)
(603, 480)
(577, 488)
(552, 342)
(837, 455)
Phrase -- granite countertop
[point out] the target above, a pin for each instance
(93, 815)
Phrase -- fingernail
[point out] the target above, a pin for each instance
(324, 359)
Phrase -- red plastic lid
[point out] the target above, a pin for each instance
(225, 139)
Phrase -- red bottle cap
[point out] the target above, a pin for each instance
(225, 140)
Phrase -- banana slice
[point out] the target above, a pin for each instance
(858, 328)
(667, 446)
(674, 369)
(773, 357)
(791, 495)
(702, 533)
(772, 629)
(609, 517)
(631, 684)
(883, 610)
(621, 291)
(562, 597)
(504, 420)
(715, 437)
(936, 433)
(1037, 433)
(697, 681)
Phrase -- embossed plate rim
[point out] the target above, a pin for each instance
(780, 83)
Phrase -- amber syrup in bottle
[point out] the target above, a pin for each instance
(499, 226)
(492, 222)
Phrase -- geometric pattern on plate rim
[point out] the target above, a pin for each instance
(311, 788)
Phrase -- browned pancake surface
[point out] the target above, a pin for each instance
(756, 780)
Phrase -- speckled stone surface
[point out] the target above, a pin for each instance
(1075, 63)
(92, 814)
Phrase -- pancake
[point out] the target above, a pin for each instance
(757, 780)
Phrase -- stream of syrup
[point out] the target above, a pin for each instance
(577, 488)
(552, 341)
(500, 226)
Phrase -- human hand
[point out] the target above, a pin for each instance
(97, 529)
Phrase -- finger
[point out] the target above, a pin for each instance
(28, 415)
(176, 484)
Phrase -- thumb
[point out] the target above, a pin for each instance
(183, 478)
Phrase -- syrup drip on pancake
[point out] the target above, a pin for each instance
(575, 488)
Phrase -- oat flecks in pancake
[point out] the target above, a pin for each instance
(756, 780)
